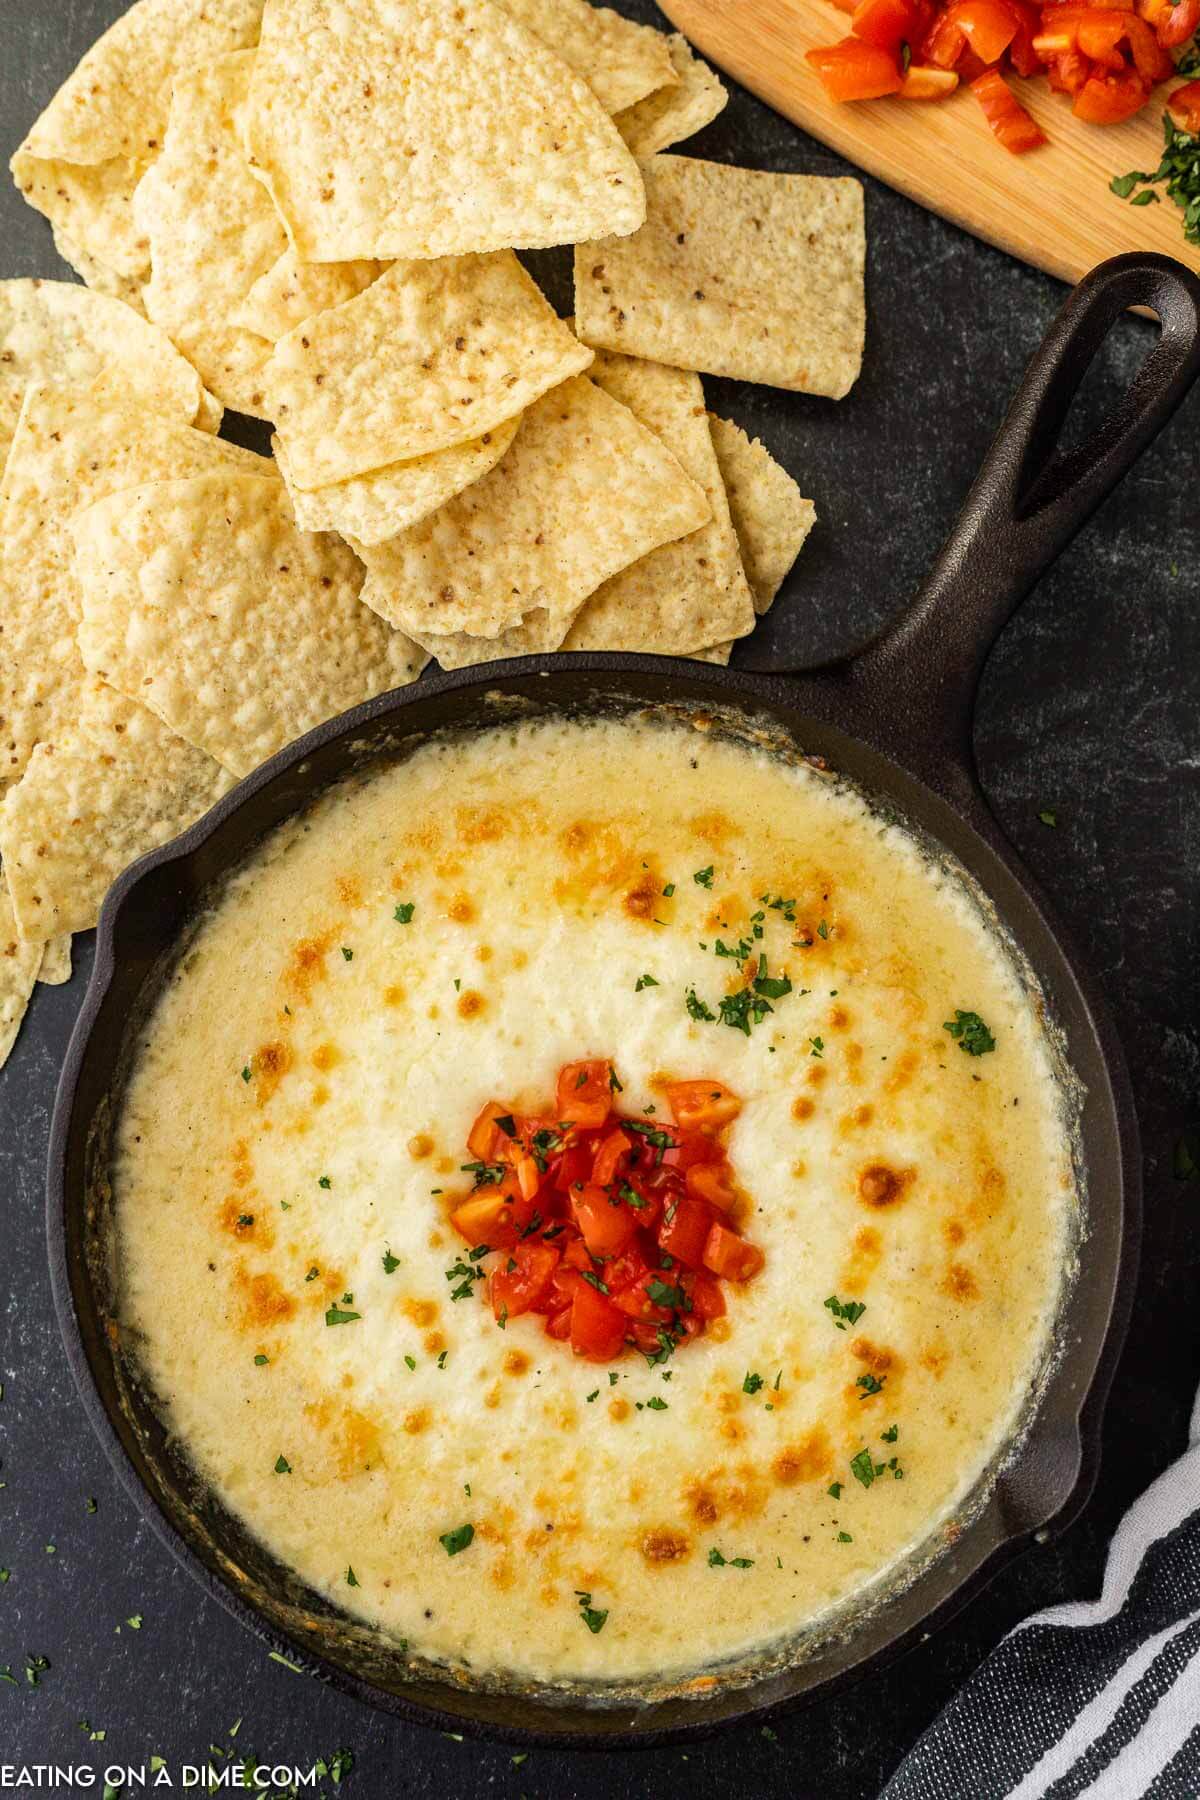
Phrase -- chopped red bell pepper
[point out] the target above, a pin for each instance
(1184, 108)
(1011, 124)
(852, 70)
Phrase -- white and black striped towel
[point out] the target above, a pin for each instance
(1100, 1698)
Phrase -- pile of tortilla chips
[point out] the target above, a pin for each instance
(308, 211)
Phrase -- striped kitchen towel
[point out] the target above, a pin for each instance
(1098, 1698)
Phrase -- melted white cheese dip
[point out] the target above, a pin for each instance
(293, 1132)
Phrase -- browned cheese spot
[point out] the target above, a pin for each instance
(880, 1186)
(471, 1004)
(516, 1362)
(481, 824)
(662, 1545)
(349, 892)
(806, 1460)
(461, 909)
(269, 1064)
(959, 1283)
(803, 1107)
(393, 995)
(421, 1312)
(420, 1146)
(263, 1300)
(307, 964)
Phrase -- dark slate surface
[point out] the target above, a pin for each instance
(1089, 707)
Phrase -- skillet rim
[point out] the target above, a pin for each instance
(820, 698)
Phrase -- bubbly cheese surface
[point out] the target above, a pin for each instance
(453, 929)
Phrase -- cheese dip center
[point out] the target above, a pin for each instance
(459, 927)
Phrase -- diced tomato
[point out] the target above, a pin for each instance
(518, 1290)
(1022, 54)
(597, 1326)
(558, 1324)
(585, 1092)
(684, 1230)
(924, 82)
(1184, 108)
(1068, 74)
(944, 45)
(486, 1211)
(712, 1182)
(606, 1226)
(702, 1105)
(708, 1302)
(727, 1254)
(852, 70)
(1107, 99)
(1149, 57)
(613, 1147)
(637, 1301)
(1100, 35)
(625, 1271)
(574, 1165)
(1178, 24)
(485, 1138)
(576, 1254)
(887, 23)
(1012, 125)
(988, 26)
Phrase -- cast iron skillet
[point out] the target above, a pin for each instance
(895, 718)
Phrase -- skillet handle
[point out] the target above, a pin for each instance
(918, 680)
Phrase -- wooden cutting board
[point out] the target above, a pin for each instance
(1051, 207)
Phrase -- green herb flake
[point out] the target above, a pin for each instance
(834, 1490)
(704, 877)
(282, 1465)
(403, 913)
(390, 1263)
(260, 1361)
(411, 1361)
(644, 981)
(454, 1541)
(752, 1383)
(668, 890)
(1048, 817)
(698, 1009)
(970, 1033)
(336, 1315)
(347, 953)
(593, 1619)
(656, 1404)
(351, 1577)
(862, 1467)
(324, 1181)
(891, 1434)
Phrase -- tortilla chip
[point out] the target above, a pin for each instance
(584, 490)
(716, 653)
(620, 61)
(97, 276)
(388, 128)
(737, 272)
(212, 231)
(114, 784)
(691, 592)
(770, 514)
(70, 448)
(203, 600)
(292, 291)
(55, 970)
(19, 964)
(432, 354)
(538, 633)
(369, 509)
(676, 111)
(89, 149)
(58, 334)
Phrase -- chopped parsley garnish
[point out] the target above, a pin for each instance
(454, 1541)
(323, 1181)
(862, 1467)
(696, 1008)
(404, 912)
(655, 1404)
(411, 1361)
(738, 952)
(644, 981)
(441, 1361)
(465, 1274)
(486, 1174)
(351, 1577)
(969, 1032)
(593, 1281)
(662, 1295)
(631, 1197)
(335, 1315)
(843, 1537)
(282, 1465)
(823, 929)
(507, 1124)
(668, 890)
(891, 1434)
(245, 1220)
(261, 1361)
(818, 1046)
(1179, 170)
(594, 1395)
(704, 877)
(870, 1384)
(835, 1490)
(845, 1312)
(246, 1073)
(312, 1273)
(717, 1561)
(593, 1619)
(752, 1383)
(390, 1263)
(347, 953)
(778, 904)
